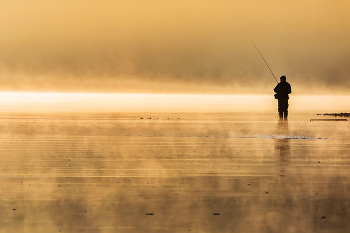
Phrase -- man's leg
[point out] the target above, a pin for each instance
(280, 113)
(283, 108)
(286, 109)
(280, 108)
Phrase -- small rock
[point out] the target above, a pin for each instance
(149, 214)
(248, 184)
(216, 214)
(267, 192)
(14, 209)
(323, 216)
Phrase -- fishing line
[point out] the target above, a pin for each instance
(265, 62)
(269, 69)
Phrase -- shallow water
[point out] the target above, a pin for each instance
(89, 163)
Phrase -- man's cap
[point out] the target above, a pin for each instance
(283, 77)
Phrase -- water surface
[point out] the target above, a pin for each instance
(89, 163)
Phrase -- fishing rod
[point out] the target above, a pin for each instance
(265, 62)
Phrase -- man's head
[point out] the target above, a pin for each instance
(283, 78)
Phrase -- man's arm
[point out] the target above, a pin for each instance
(277, 88)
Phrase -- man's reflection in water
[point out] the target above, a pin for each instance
(282, 147)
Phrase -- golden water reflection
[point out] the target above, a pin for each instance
(213, 172)
(282, 147)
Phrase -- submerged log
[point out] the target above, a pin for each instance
(328, 119)
(345, 114)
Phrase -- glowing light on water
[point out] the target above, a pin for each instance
(133, 102)
(166, 102)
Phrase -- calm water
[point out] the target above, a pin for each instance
(89, 163)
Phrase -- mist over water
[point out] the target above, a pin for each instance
(89, 163)
(156, 47)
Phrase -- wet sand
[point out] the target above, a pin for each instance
(88, 164)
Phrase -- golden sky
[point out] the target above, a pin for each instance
(174, 46)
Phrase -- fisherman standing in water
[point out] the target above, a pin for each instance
(282, 90)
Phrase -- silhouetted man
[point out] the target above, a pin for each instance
(282, 90)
